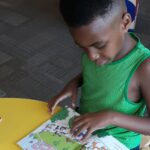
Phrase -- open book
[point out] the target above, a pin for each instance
(54, 134)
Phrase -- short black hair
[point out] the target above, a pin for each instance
(77, 13)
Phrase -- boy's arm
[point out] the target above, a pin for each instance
(78, 79)
(95, 121)
(138, 124)
(75, 82)
(70, 90)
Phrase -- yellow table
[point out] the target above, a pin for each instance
(20, 117)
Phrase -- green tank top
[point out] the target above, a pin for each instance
(106, 88)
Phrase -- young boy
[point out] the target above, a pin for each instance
(115, 78)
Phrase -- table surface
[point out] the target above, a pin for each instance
(20, 117)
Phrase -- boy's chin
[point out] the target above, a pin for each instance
(103, 62)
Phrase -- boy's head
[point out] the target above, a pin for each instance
(97, 26)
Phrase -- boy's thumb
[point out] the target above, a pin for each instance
(73, 97)
(73, 105)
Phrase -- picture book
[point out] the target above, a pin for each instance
(54, 134)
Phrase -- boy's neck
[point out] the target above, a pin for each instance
(128, 45)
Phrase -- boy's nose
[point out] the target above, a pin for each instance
(93, 56)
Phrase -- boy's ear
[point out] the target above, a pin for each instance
(126, 22)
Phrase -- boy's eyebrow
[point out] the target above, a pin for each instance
(95, 43)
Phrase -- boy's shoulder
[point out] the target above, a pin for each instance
(143, 72)
(144, 66)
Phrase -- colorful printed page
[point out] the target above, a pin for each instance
(55, 134)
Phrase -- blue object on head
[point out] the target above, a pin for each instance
(131, 8)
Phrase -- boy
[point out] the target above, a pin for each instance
(116, 72)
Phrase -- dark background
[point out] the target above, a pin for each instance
(37, 54)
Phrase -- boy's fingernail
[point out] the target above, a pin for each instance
(73, 105)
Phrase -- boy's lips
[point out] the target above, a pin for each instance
(101, 61)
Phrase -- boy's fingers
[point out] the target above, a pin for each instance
(59, 99)
(76, 126)
(56, 100)
(54, 106)
(80, 130)
(51, 103)
(88, 134)
(76, 118)
(73, 97)
(73, 105)
(49, 108)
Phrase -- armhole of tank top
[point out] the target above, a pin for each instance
(128, 81)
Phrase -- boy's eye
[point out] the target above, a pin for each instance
(100, 47)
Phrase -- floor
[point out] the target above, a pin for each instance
(37, 54)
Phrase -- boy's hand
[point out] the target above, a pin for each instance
(70, 90)
(53, 102)
(90, 122)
